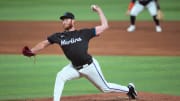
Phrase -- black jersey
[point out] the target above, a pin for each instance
(74, 44)
(143, 2)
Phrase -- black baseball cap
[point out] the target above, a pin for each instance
(67, 15)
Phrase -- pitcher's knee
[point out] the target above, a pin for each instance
(60, 76)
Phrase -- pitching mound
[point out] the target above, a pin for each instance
(113, 97)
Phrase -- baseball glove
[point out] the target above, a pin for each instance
(27, 52)
(160, 15)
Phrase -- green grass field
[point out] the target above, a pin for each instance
(21, 78)
(52, 9)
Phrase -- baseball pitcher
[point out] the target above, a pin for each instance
(74, 44)
(136, 6)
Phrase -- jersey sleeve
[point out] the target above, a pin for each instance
(89, 33)
(53, 38)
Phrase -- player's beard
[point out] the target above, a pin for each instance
(68, 26)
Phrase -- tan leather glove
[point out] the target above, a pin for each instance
(160, 15)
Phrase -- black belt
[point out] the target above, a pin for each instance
(83, 66)
(144, 3)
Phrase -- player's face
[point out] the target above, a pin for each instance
(68, 24)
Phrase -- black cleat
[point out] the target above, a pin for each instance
(132, 94)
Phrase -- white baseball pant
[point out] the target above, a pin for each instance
(92, 72)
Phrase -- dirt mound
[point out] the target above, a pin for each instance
(113, 97)
(123, 97)
(144, 41)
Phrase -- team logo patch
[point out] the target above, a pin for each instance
(71, 41)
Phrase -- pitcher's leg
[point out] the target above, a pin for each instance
(94, 74)
(67, 73)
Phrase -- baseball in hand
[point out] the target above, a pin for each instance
(93, 7)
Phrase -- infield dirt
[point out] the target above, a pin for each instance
(115, 41)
